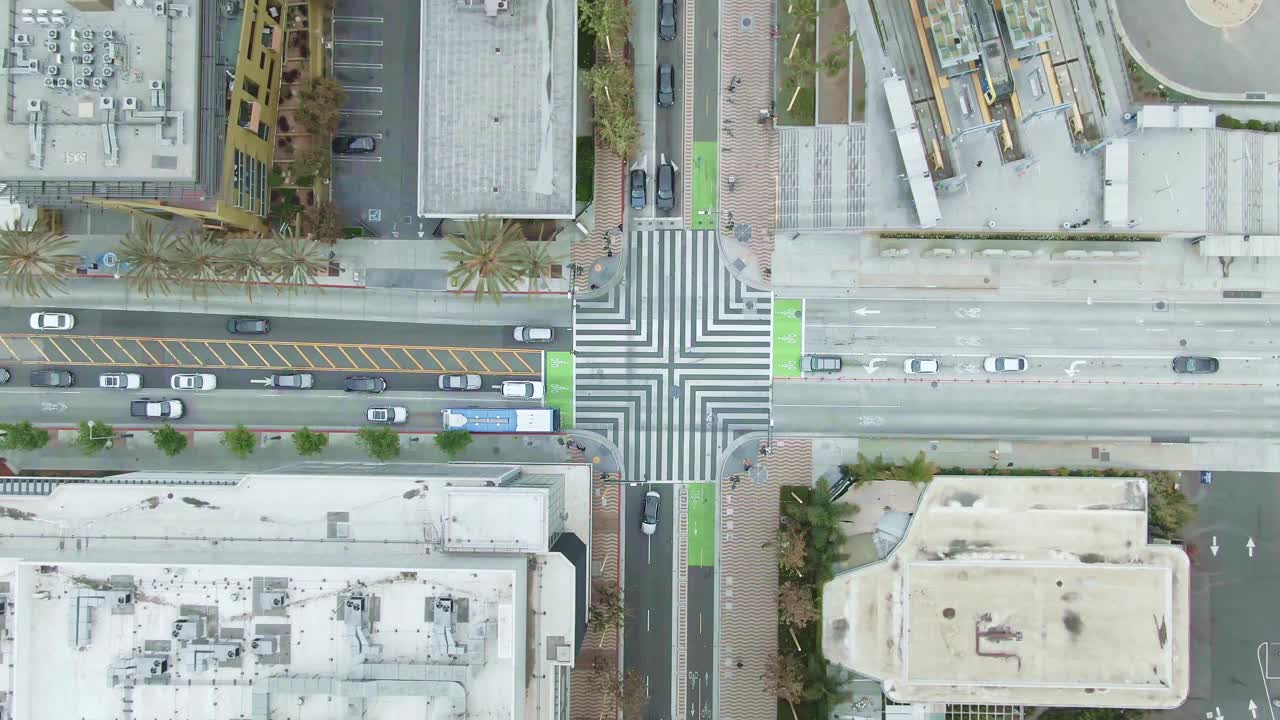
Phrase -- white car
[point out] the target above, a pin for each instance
(157, 409)
(120, 381)
(530, 334)
(193, 381)
(920, 366)
(522, 389)
(649, 512)
(394, 415)
(1004, 364)
(52, 321)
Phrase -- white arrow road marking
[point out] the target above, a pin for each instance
(261, 381)
(1213, 546)
(866, 311)
(873, 365)
(1250, 546)
(1075, 365)
(1253, 709)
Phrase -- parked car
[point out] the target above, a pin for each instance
(4, 376)
(52, 378)
(393, 415)
(667, 19)
(157, 409)
(120, 381)
(1193, 365)
(666, 85)
(649, 512)
(920, 366)
(666, 191)
(533, 334)
(249, 326)
(52, 321)
(364, 384)
(292, 381)
(193, 381)
(1206, 477)
(821, 363)
(639, 189)
(459, 382)
(522, 389)
(1004, 364)
(354, 144)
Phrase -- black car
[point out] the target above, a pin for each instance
(354, 144)
(666, 187)
(1195, 365)
(364, 384)
(249, 326)
(639, 193)
(52, 378)
(667, 19)
(666, 85)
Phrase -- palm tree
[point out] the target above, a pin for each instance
(488, 257)
(146, 254)
(245, 262)
(536, 262)
(915, 471)
(293, 261)
(865, 469)
(196, 259)
(35, 263)
(823, 518)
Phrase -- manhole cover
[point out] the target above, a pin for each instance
(375, 214)
(747, 23)
(751, 304)
(1161, 306)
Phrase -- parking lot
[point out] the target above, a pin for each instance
(375, 56)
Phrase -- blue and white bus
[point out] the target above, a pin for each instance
(502, 420)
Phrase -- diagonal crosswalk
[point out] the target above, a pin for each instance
(673, 364)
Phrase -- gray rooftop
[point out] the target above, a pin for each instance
(100, 95)
(1030, 21)
(952, 30)
(496, 108)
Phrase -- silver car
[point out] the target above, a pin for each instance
(1004, 364)
(821, 363)
(459, 382)
(292, 381)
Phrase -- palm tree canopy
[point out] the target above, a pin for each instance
(145, 255)
(488, 257)
(536, 262)
(196, 259)
(35, 263)
(296, 261)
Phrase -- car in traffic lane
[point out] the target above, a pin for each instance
(1004, 364)
(291, 381)
(920, 366)
(52, 321)
(649, 512)
(364, 384)
(667, 19)
(639, 189)
(120, 381)
(821, 363)
(459, 382)
(198, 382)
(157, 409)
(666, 85)
(391, 415)
(52, 378)
(533, 334)
(248, 326)
(1193, 365)
(666, 190)
(522, 389)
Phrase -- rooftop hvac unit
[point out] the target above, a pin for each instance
(87, 59)
(34, 65)
(156, 666)
(108, 72)
(51, 46)
(27, 17)
(157, 84)
(48, 82)
(503, 5)
(63, 83)
(86, 47)
(99, 84)
(80, 83)
(86, 70)
(51, 69)
(129, 103)
(53, 34)
(21, 39)
(355, 603)
(263, 646)
(87, 34)
(108, 34)
(35, 105)
(161, 9)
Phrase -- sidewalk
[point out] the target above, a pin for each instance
(346, 297)
(600, 255)
(809, 263)
(275, 449)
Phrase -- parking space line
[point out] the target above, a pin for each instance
(363, 88)
(358, 65)
(368, 113)
(360, 158)
(215, 354)
(365, 43)
(358, 18)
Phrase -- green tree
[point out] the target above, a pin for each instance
(35, 263)
(1169, 511)
(308, 442)
(453, 442)
(825, 684)
(1090, 714)
(915, 471)
(146, 253)
(835, 60)
(865, 469)
(822, 518)
(169, 441)
(240, 440)
(609, 20)
(381, 443)
(536, 262)
(197, 260)
(320, 111)
(796, 606)
(315, 159)
(488, 257)
(23, 436)
(322, 222)
(94, 436)
(295, 262)
(607, 610)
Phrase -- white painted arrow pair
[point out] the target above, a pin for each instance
(1214, 547)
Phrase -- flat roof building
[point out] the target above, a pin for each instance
(160, 106)
(911, 147)
(951, 28)
(1030, 21)
(496, 111)
(1021, 591)
(317, 591)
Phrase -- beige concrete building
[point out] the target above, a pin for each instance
(1023, 591)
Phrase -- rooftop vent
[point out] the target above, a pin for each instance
(35, 104)
(157, 84)
(52, 34)
(21, 39)
(87, 34)
(126, 103)
(107, 34)
(160, 9)
(263, 646)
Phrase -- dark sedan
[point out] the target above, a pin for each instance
(249, 326)
(1192, 365)
(639, 191)
(52, 378)
(354, 144)
(667, 19)
(666, 85)
(364, 384)
(666, 192)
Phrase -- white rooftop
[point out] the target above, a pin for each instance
(1176, 116)
(1115, 191)
(479, 519)
(497, 108)
(1022, 591)
(911, 146)
(108, 95)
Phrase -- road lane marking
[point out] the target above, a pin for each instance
(877, 327)
(365, 43)
(369, 113)
(358, 65)
(366, 357)
(878, 407)
(363, 88)
(255, 352)
(143, 346)
(479, 360)
(232, 348)
(648, 621)
(358, 18)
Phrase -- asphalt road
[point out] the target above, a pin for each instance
(669, 121)
(649, 574)
(1100, 369)
(1235, 631)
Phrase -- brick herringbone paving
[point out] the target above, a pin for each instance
(749, 580)
(608, 214)
(584, 702)
(750, 154)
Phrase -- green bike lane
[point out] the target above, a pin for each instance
(560, 386)
(706, 114)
